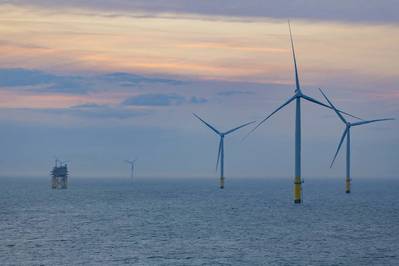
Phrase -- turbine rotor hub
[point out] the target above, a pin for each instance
(298, 93)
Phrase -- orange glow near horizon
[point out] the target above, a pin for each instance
(75, 41)
(72, 41)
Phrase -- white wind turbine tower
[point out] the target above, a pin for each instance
(297, 97)
(132, 165)
(347, 135)
(221, 145)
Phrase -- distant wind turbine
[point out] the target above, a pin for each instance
(221, 145)
(346, 134)
(297, 97)
(132, 164)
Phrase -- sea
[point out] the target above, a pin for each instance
(186, 221)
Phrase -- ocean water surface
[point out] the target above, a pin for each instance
(192, 222)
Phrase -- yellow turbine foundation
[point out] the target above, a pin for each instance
(222, 182)
(348, 185)
(298, 190)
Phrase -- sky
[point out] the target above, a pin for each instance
(97, 82)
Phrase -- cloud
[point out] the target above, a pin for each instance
(20, 45)
(232, 93)
(69, 84)
(154, 99)
(20, 77)
(198, 100)
(351, 10)
(128, 79)
(84, 111)
(92, 110)
(10, 77)
(159, 99)
(75, 85)
(88, 106)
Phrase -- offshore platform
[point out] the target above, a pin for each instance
(59, 175)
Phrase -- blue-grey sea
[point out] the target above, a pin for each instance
(192, 222)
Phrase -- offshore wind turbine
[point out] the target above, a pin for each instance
(347, 135)
(221, 145)
(297, 98)
(132, 164)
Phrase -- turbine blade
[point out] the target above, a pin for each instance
(219, 153)
(371, 121)
(298, 87)
(333, 107)
(310, 99)
(237, 128)
(208, 125)
(339, 146)
(275, 111)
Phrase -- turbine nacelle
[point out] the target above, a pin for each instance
(298, 93)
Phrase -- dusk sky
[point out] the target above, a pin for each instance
(96, 82)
